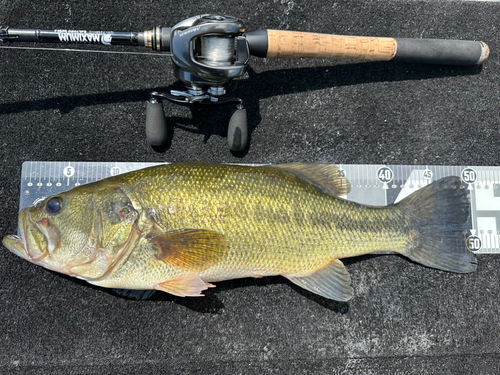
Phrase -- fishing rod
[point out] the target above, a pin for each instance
(210, 50)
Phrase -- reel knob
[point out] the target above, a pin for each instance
(156, 124)
(237, 133)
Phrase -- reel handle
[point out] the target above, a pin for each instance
(156, 124)
(295, 44)
(237, 131)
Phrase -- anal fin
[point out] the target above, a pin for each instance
(332, 281)
(190, 285)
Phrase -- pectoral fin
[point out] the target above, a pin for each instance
(191, 249)
(332, 281)
(187, 286)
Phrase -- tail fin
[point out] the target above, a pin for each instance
(438, 213)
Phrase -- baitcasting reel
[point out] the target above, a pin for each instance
(210, 50)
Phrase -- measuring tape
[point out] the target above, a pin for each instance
(375, 185)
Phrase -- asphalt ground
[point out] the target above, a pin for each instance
(404, 318)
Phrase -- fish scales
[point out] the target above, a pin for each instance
(178, 227)
(275, 222)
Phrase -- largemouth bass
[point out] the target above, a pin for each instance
(180, 227)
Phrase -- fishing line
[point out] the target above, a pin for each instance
(217, 50)
(87, 50)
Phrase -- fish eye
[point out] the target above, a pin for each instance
(53, 205)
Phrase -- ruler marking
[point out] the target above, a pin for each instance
(50, 171)
(69, 165)
(31, 173)
(40, 175)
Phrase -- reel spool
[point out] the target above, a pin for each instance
(208, 51)
(217, 50)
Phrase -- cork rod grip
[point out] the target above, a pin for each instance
(295, 44)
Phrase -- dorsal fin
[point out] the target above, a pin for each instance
(326, 177)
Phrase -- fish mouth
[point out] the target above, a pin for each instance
(16, 245)
(32, 244)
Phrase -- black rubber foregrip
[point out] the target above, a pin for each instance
(257, 43)
(441, 51)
